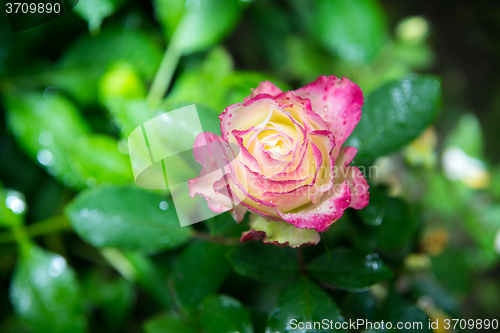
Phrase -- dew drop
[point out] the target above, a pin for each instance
(15, 202)
(84, 212)
(45, 157)
(325, 108)
(163, 205)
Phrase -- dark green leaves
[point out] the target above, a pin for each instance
(83, 64)
(393, 230)
(414, 319)
(224, 314)
(305, 302)
(95, 11)
(395, 114)
(98, 160)
(45, 293)
(199, 271)
(353, 30)
(46, 125)
(263, 262)
(350, 269)
(216, 314)
(127, 218)
(196, 25)
(168, 324)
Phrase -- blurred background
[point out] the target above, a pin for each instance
(73, 88)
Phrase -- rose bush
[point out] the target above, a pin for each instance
(289, 166)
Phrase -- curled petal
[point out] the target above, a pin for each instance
(353, 177)
(320, 217)
(279, 233)
(209, 151)
(265, 87)
(241, 117)
(338, 102)
(346, 155)
(238, 213)
(359, 188)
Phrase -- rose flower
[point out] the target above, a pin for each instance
(289, 168)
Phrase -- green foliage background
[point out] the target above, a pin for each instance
(83, 249)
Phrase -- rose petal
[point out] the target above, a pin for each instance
(212, 158)
(321, 216)
(346, 155)
(241, 117)
(359, 188)
(265, 87)
(353, 176)
(279, 233)
(338, 102)
(301, 110)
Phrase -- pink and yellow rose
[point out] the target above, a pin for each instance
(290, 168)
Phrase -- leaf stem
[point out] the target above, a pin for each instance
(164, 74)
(47, 226)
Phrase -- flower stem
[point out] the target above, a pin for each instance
(43, 227)
(164, 74)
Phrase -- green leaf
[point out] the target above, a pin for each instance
(96, 159)
(395, 114)
(225, 225)
(83, 64)
(349, 269)
(12, 208)
(149, 277)
(45, 293)
(203, 84)
(114, 298)
(467, 135)
(95, 11)
(428, 286)
(126, 218)
(374, 213)
(445, 268)
(494, 187)
(46, 127)
(304, 302)
(401, 311)
(224, 314)
(199, 271)
(240, 83)
(397, 227)
(353, 30)
(263, 262)
(483, 225)
(195, 25)
(121, 80)
(168, 323)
